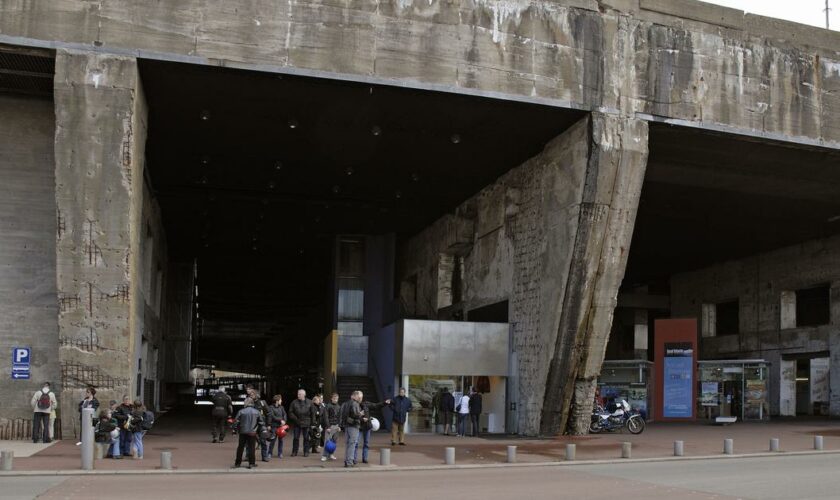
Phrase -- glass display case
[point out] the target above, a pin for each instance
(733, 388)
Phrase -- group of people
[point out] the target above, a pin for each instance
(468, 407)
(314, 423)
(120, 427)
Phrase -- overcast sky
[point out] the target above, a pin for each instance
(801, 11)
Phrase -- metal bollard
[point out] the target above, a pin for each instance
(570, 452)
(86, 424)
(728, 446)
(511, 454)
(7, 458)
(626, 449)
(774, 444)
(679, 449)
(818, 442)
(166, 460)
(385, 456)
(450, 456)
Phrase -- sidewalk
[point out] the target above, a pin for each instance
(186, 434)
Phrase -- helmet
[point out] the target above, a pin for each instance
(329, 446)
(374, 424)
(230, 420)
(282, 431)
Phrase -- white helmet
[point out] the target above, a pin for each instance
(374, 424)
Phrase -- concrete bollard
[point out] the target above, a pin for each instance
(570, 451)
(449, 458)
(818, 442)
(385, 456)
(99, 451)
(511, 454)
(7, 458)
(86, 424)
(679, 448)
(166, 460)
(626, 449)
(774, 444)
(728, 446)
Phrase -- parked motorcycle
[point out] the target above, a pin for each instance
(623, 417)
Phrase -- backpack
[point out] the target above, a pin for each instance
(44, 402)
(148, 420)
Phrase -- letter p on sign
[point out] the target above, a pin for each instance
(21, 355)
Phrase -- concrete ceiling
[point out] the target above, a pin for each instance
(256, 173)
(711, 197)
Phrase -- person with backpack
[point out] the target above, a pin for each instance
(107, 433)
(43, 403)
(475, 411)
(136, 427)
(222, 410)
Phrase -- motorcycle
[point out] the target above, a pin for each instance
(623, 417)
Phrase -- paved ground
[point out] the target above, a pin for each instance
(783, 477)
(25, 448)
(186, 434)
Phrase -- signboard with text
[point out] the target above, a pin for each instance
(675, 362)
(21, 363)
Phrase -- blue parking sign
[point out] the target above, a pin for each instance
(21, 358)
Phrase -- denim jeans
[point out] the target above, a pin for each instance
(125, 442)
(114, 448)
(364, 436)
(279, 442)
(462, 423)
(138, 442)
(352, 442)
(41, 427)
(331, 434)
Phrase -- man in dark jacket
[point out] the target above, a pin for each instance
(301, 415)
(400, 405)
(222, 409)
(447, 409)
(331, 422)
(365, 427)
(316, 437)
(475, 410)
(248, 423)
(350, 420)
(122, 415)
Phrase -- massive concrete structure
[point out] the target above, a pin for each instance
(622, 84)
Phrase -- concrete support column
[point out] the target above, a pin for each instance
(612, 181)
(99, 147)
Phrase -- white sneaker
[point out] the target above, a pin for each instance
(332, 457)
(324, 459)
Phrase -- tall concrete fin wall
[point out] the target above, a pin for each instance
(28, 307)
(98, 182)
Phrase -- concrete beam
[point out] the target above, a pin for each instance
(99, 139)
(612, 184)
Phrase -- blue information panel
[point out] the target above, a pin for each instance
(678, 381)
(21, 362)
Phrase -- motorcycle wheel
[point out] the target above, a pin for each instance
(635, 425)
(594, 427)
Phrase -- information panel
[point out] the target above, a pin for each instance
(678, 380)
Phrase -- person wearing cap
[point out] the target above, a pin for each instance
(43, 403)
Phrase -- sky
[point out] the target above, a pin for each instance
(801, 11)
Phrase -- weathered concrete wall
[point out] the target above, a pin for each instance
(757, 282)
(679, 59)
(28, 305)
(522, 240)
(99, 184)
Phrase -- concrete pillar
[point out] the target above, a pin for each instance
(818, 442)
(728, 446)
(511, 454)
(611, 182)
(449, 456)
(679, 448)
(166, 460)
(774, 444)
(100, 138)
(385, 456)
(626, 450)
(7, 458)
(570, 452)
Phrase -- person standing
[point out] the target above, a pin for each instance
(350, 420)
(365, 427)
(123, 415)
(276, 418)
(138, 417)
(475, 411)
(463, 410)
(331, 421)
(447, 408)
(222, 410)
(248, 423)
(317, 429)
(400, 405)
(301, 415)
(43, 403)
(261, 406)
(89, 401)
